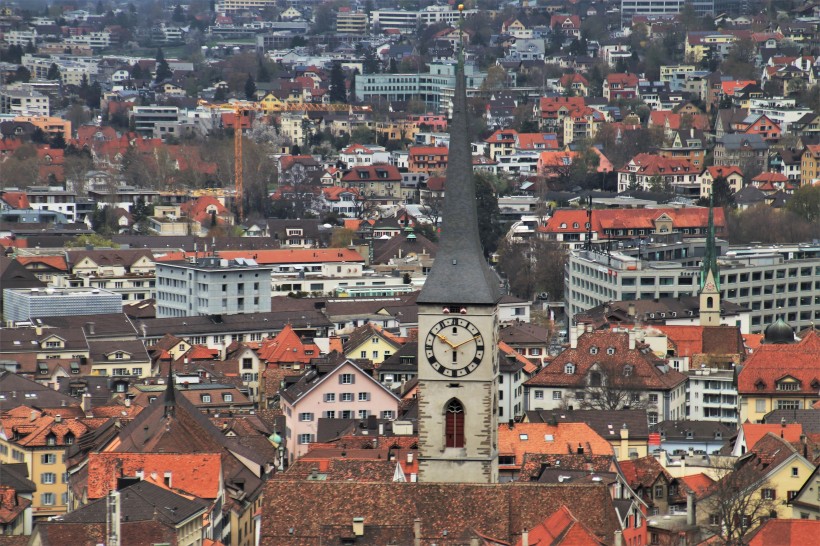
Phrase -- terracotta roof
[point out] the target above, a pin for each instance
(505, 351)
(562, 529)
(15, 199)
(785, 532)
(724, 171)
(54, 262)
(594, 348)
(540, 438)
(643, 472)
(193, 473)
(771, 363)
(380, 172)
(630, 219)
(698, 483)
(287, 347)
(427, 150)
(295, 255)
(753, 432)
(302, 513)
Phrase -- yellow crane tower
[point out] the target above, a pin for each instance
(241, 110)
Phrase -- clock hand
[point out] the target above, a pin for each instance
(445, 340)
(463, 342)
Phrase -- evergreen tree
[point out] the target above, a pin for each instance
(250, 88)
(163, 70)
(179, 15)
(30, 47)
(136, 72)
(262, 73)
(338, 91)
(394, 68)
(22, 74)
(58, 142)
(53, 72)
(353, 84)
(221, 94)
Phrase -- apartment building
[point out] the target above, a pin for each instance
(435, 88)
(23, 304)
(769, 281)
(149, 119)
(351, 22)
(23, 102)
(234, 6)
(212, 286)
(72, 70)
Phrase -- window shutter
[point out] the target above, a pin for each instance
(353, 379)
(340, 378)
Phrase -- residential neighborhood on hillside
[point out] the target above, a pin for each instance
(409, 273)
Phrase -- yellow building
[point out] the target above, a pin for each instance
(371, 342)
(781, 374)
(39, 440)
(50, 125)
(810, 164)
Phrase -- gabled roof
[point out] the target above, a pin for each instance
(754, 432)
(562, 529)
(784, 532)
(287, 346)
(563, 438)
(771, 362)
(366, 331)
(311, 380)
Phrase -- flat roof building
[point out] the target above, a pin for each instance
(23, 304)
(212, 286)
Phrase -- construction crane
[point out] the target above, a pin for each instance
(241, 110)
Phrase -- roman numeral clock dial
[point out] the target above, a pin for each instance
(454, 347)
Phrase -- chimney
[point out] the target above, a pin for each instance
(38, 330)
(525, 538)
(409, 458)
(630, 310)
(632, 339)
(33, 416)
(358, 527)
(127, 402)
(624, 450)
(619, 538)
(690, 509)
(58, 418)
(85, 403)
(89, 328)
(417, 532)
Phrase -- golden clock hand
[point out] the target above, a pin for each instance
(445, 340)
(463, 342)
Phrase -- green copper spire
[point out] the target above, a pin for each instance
(710, 256)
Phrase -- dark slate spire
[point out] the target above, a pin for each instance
(710, 255)
(170, 394)
(460, 273)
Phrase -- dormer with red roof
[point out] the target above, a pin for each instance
(288, 350)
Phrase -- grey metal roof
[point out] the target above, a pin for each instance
(460, 273)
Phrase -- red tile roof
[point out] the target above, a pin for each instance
(545, 438)
(754, 432)
(16, 199)
(770, 363)
(55, 262)
(380, 172)
(287, 347)
(562, 529)
(197, 474)
(295, 255)
(698, 483)
(785, 532)
(630, 219)
(718, 170)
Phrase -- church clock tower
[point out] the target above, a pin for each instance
(458, 368)
(710, 278)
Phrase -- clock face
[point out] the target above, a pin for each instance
(454, 347)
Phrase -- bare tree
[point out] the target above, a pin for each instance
(613, 385)
(533, 266)
(739, 500)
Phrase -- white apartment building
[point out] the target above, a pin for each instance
(783, 111)
(23, 102)
(53, 198)
(71, 71)
(233, 6)
(770, 281)
(94, 40)
(21, 37)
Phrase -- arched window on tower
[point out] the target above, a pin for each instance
(454, 424)
(710, 302)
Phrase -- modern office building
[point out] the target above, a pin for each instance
(771, 281)
(212, 286)
(148, 118)
(435, 88)
(25, 303)
(23, 102)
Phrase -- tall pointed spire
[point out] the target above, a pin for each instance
(460, 273)
(709, 263)
(170, 393)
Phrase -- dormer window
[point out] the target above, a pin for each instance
(628, 370)
(51, 440)
(610, 351)
(569, 368)
(593, 350)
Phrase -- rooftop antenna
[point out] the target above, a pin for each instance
(588, 242)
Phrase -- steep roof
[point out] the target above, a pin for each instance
(541, 438)
(771, 363)
(460, 275)
(562, 529)
(784, 532)
(300, 513)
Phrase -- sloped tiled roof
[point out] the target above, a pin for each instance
(770, 363)
(541, 438)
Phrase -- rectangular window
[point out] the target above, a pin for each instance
(48, 458)
(330, 397)
(303, 439)
(363, 413)
(788, 404)
(364, 397)
(48, 478)
(539, 395)
(658, 491)
(768, 494)
(47, 499)
(760, 405)
(347, 397)
(347, 379)
(306, 417)
(388, 414)
(329, 415)
(556, 395)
